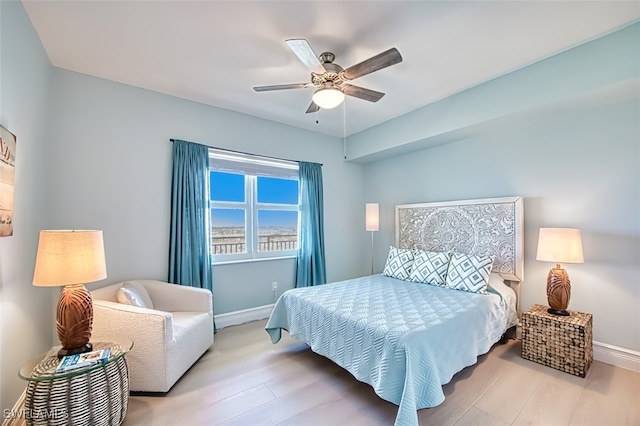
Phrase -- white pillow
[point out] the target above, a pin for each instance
(469, 273)
(133, 293)
(497, 285)
(429, 267)
(506, 293)
(399, 263)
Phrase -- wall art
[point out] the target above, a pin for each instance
(7, 180)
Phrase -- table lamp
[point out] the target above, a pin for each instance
(71, 258)
(372, 223)
(559, 245)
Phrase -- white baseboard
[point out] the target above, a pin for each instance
(245, 315)
(615, 355)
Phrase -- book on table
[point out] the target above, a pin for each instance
(86, 359)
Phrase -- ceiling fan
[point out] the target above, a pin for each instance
(331, 80)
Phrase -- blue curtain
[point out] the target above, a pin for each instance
(311, 266)
(190, 239)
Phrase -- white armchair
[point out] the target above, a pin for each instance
(167, 340)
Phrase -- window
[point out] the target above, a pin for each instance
(254, 206)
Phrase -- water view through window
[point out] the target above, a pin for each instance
(275, 206)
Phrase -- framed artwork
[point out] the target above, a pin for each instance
(7, 180)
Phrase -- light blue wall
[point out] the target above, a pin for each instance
(604, 67)
(576, 163)
(26, 314)
(113, 168)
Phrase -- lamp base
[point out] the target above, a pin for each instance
(560, 312)
(73, 351)
(74, 319)
(558, 290)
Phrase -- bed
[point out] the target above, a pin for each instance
(406, 339)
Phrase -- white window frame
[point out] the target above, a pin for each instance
(252, 167)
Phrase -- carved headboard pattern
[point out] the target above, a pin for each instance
(491, 226)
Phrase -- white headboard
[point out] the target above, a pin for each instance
(491, 226)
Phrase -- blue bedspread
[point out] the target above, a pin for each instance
(404, 339)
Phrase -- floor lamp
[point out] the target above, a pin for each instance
(372, 223)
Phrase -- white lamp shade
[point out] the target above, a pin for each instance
(372, 217)
(69, 257)
(560, 245)
(328, 97)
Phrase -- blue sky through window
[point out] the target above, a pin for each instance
(230, 187)
(228, 218)
(281, 218)
(226, 186)
(274, 190)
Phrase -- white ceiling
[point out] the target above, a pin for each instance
(214, 52)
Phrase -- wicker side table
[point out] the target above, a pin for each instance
(561, 342)
(96, 395)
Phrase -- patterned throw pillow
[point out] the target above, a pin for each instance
(399, 263)
(429, 267)
(469, 273)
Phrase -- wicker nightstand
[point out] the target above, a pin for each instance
(97, 395)
(564, 343)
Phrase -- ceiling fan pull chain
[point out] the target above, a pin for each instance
(344, 127)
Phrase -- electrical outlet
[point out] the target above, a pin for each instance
(274, 286)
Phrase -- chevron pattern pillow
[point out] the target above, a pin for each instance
(399, 263)
(469, 273)
(429, 267)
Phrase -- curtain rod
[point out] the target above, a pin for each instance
(248, 153)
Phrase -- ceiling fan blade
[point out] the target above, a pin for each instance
(313, 108)
(362, 93)
(281, 87)
(305, 53)
(378, 62)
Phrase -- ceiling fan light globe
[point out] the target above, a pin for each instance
(328, 97)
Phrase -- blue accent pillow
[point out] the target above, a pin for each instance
(469, 273)
(430, 267)
(399, 263)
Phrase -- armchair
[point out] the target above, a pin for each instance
(167, 340)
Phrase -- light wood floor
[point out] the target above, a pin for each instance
(245, 380)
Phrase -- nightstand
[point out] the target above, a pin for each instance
(94, 395)
(561, 342)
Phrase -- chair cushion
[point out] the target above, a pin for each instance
(133, 293)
